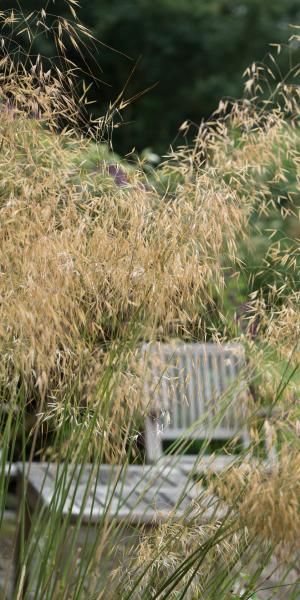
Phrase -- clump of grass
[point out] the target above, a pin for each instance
(268, 502)
(92, 264)
(83, 258)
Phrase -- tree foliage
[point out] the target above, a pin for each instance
(184, 54)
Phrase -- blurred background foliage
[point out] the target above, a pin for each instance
(180, 57)
(172, 62)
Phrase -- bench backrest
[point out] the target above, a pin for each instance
(188, 382)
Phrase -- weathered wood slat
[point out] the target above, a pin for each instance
(204, 464)
(140, 492)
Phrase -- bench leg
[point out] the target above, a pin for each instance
(23, 531)
(27, 501)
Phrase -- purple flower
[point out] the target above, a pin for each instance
(119, 175)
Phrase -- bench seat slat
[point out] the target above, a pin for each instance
(143, 494)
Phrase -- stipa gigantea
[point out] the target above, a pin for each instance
(88, 268)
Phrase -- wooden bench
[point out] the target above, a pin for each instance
(186, 380)
(194, 392)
